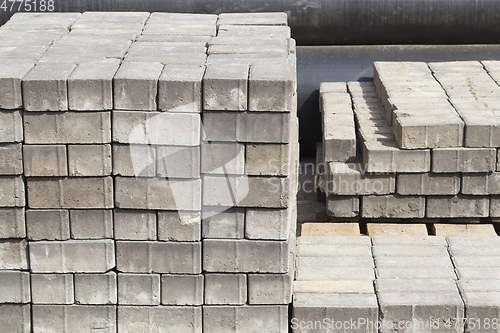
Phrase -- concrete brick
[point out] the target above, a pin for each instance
(351, 179)
(481, 183)
(47, 224)
(494, 206)
(360, 309)
(45, 160)
(334, 287)
(178, 162)
(409, 251)
(270, 87)
(425, 272)
(167, 319)
(339, 143)
(10, 83)
(73, 256)
(12, 191)
(223, 158)
(458, 206)
(265, 192)
(74, 318)
(227, 319)
(481, 131)
(89, 160)
(268, 223)
(67, 127)
(179, 88)
(11, 124)
(13, 255)
(269, 288)
(136, 86)
(15, 287)
(481, 308)
(90, 86)
(409, 240)
(134, 224)
(139, 289)
(476, 261)
(13, 223)
(478, 273)
(95, 192)
(472, 242)
(309, 258)
(182, 289)
(333, 240)
(393, 206)
(15, 318)
(158, 257)
(91, 224)
(269, 127)
(428, 184)
(331, 273)
(243, 31)
(463, 160)
(252, 19)
(156, 128)
(52, 288)
(156, 193)
(267, 159)
(45, 87)
(420, 285)
(335, 87)
(220, 126)
(143, 164)
(223, 223)
(225, 289)
(11, 159)
(478, 285)
(239, 256)
(179, 226)
(95, 288)
(440, 263)
(421, 309)
(225, 87)
(342, 205)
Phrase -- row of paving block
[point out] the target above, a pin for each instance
(396, 283)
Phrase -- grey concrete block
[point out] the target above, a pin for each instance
(334, 240)
(15, 287)
(331, 273)
(95, 288)
(179, 226)
(339, 143)
(182, 289)
(142, 165)
(420, 285)
(494, 206)
(220, 126)
(45, 160)
(45, 87)
(13, 255)
(52, 289)
(458, 206)
(270, 87)
(474, 251)
(334, 287)
(13, 223)
(89, 160)
(269, 127)
(227, 319)
(67, 127)
(11, 159)
(240, 256)
(225, 87)
(156, 128)
(409, 240)
(410, 251)
(91, 224)
(329, 309)
(481, 183)
(196, 59)
(95, 192)
(168, 319)
(393, 206)
(158, 257)
(267, 159)
(11, 124)
(463, 160)
(480, 131)
(472, 242)
(90, 86)
(139, 289)
(221, 289)
(478, 273)
(327, 250)
(136, 86)
(268, 223)
(73, 256)
(12, 189)
(178, 162)
(316, 260)
(223, 223)
(10, 83)
(476, 261)
(223, 158)
(269, 288)
(482, 311)
(428, 184)
(252, 19)
(74, 318)
(438, 262)
(342, 205)
(179, 88)
(15, 318)
(134, 224)
(47, 224)
(478, 285)
(157, 193)
(425, 272)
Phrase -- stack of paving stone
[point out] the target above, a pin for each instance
(420, 141)
(157, 158)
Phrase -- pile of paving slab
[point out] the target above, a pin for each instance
(149, 168)
(421, 140)
(396, 284)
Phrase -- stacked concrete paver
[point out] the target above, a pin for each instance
(149, 171)
(426, 142)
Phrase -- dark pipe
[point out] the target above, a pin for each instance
(316, 64)
(334, 22)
